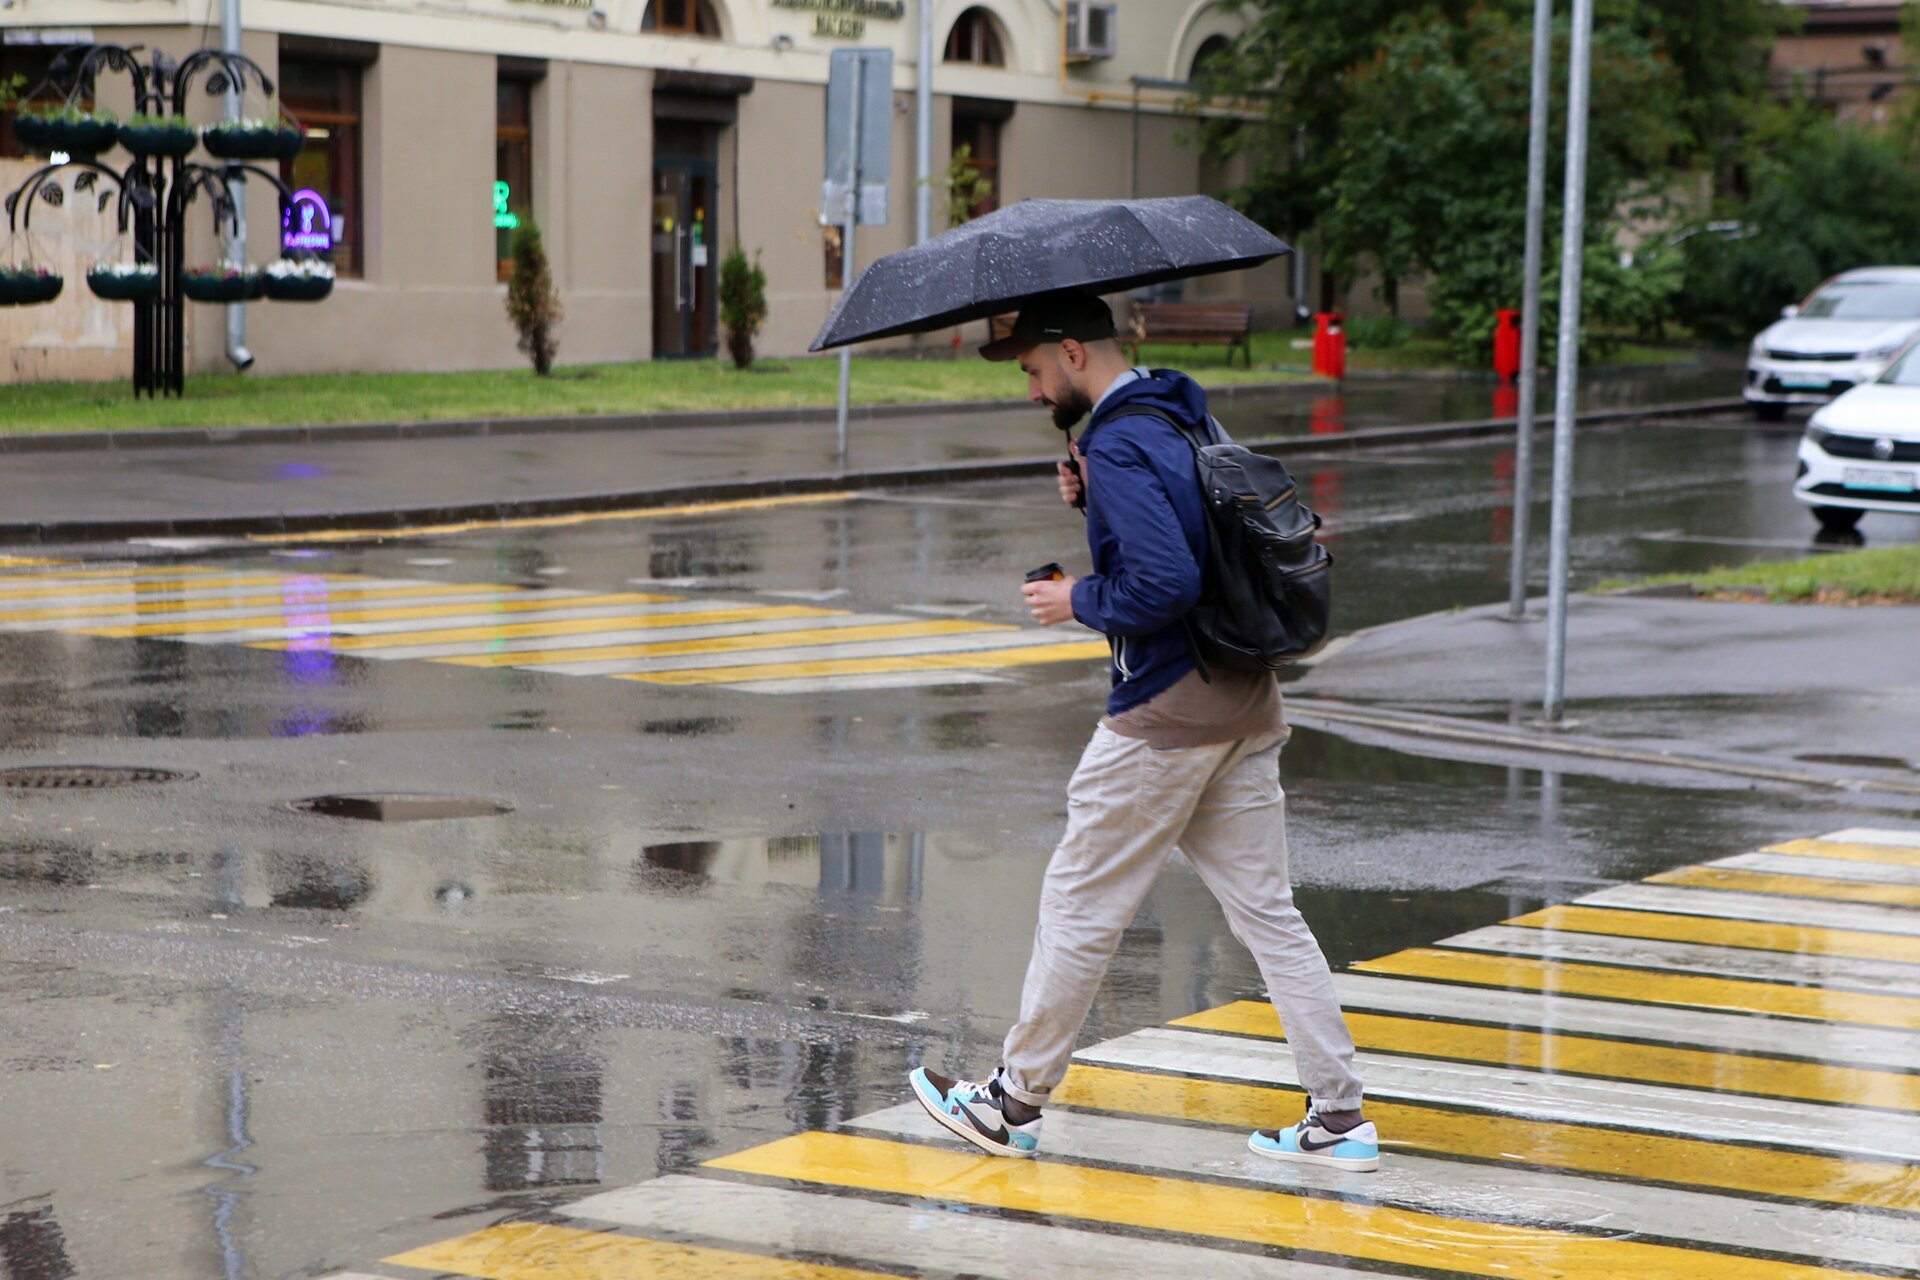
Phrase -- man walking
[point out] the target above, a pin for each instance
(1177, 760)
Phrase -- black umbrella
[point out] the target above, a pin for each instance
(994, 263)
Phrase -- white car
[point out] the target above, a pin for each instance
(1841, 336)
(1862, 452)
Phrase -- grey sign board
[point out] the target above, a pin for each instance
(859, 96)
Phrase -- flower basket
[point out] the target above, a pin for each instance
(242, 284)
(297, 288)
(244, 141)
(75, 135)
(168, 140)
(20, 288)
(124, 285)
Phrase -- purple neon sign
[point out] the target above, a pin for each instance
(306, 223)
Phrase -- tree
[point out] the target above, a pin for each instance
(532, 302)
(743, 302)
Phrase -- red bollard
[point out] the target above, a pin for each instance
(1329, 345)
(1506, 345)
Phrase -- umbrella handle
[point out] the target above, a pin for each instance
(1073, 465)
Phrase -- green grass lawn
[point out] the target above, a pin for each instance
(1886, 575)
(231, 400)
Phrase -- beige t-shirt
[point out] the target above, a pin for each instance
(1193, 713)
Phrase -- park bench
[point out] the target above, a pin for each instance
(1192, 322)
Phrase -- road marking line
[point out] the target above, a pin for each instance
(107, 590)
(302, 616)
(1732, 1032)
(548, 1251)
(532, 607)
(1873, 871)
(1643, 986)
(514, 652)
(556, 522)
(1792, 886)
(916, 1239)
(70, 572)
(1755, 906)
(1687, 957)
(1852, 850)
(983, 636)
(879, 680)
(1377, 1233)
(553, 659)
(1549, 1198)
(1578, 1148)
(370, 644)
(1592, 1056)
(997, 658)
(1907, 840)
(1501, 1092)
(1750, 934)
(239, 607)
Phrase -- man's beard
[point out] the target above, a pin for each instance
(1070, 408)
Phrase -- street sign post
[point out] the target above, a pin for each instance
(859, 162)
(1530, 307)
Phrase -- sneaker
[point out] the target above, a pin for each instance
(1357, 1149)
(973, 1112)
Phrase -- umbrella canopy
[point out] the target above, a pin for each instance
(994, 263)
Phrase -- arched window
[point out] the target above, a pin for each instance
(681, 18)
(1212, 49)
(976, 38)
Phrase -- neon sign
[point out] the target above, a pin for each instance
(306, 223)
(503, 218)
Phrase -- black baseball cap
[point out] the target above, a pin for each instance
(1054, 317)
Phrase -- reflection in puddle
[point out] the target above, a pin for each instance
(541, 1105)
(865, 866)
(50, 862)
(32, 1246)
(318, 884)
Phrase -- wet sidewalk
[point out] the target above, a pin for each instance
(1813, 695)
(234, 483)
(1703, 1075)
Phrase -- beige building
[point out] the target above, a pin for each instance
(644, 137)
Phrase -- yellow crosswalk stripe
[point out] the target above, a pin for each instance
(1377, 1233)
(556, 522)
(147, 607)
(1712, 931)
(726, 644)
(71, 570)
(1647, 987)
(566, 627)
(984, 658)
(1887, 895)
(516, 602)
(146, 589)
(1885, 854)
(1549, 1144)
(26, 562)
(1593, 1056)
(543, 1251)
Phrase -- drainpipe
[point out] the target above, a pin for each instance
(237, 243)
(923, 131)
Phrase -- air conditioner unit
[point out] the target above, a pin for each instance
(1092, 30)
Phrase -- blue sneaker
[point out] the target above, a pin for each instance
(973, 1112)
(1357, 1149)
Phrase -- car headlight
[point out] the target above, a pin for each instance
(1757, 348)
(1883, 353)
(1817, 435)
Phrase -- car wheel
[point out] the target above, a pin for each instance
(1837, 519)
(1767, 411)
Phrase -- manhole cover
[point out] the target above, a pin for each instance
(401, 806)
(60, 776)
(1855, 762)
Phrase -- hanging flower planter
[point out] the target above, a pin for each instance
(124, 281)
(24, 286)
(166, 136)
(253, 140)
(298, 280)
(227, 282)
(76, 132)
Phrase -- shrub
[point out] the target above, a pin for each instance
(743, 302)
(532, 302)
(1379, 332)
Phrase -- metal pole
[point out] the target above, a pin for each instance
(923, 132)
(1567, 371)
(1530, 306)
(237, 243)
(846, 245)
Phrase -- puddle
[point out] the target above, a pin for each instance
(862, 866)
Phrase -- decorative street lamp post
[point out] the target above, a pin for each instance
(153, 191)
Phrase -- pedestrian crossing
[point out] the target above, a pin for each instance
(749, 644)
(1692, 1078)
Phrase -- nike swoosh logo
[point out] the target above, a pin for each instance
(998, 1135)
(1308, 1144)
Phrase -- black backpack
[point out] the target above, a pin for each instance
(1268, 593)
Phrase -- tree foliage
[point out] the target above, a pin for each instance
(743, 302)
(533, 305)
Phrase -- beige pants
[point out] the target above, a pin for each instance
(1128, 806)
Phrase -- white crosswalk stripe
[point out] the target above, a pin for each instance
(1728, 905)
(1829, 868)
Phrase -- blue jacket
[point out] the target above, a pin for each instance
(1147, 527)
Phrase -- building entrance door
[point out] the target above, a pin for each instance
(685, 164)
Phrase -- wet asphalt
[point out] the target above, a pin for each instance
(243, 1040)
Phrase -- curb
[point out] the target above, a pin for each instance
(376, 522)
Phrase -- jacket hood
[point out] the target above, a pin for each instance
(1168, 390)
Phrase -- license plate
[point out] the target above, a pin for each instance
(1805, 383)
(1883, 481)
